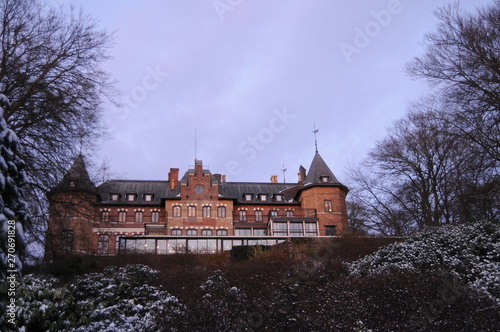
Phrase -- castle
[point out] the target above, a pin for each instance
(200, 212)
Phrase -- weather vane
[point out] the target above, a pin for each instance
(284, 170)
(315, 131)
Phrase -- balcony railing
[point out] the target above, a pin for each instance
(277, 213)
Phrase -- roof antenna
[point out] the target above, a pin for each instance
(284, 170)
(315, 131)
(195, 144)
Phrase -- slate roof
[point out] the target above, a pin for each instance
(77, 178)
(159, 189)
(319, 169)
(236, 190)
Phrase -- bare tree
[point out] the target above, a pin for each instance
(462, 63)
(50, 69)
(421, 175)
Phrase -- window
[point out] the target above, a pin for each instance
(289, 213)
(323, 178)
(278, 198)
(280, 229)
(258, 215)
(155, 216)
(221, 212)
(102, 244)
(328, 205)
(176, 211)
(259, 232)
(311, 229)
(122, 216)
(191, 211)
(221, 232)
(330, 230)
(296, 229)
(248, 197)
(131, 197)
(242, 215)
(243, 231)
(115, 197)
(263, 197)
(206, 211)
(148, 197)
(67, 240)
(138, 216)
(207, 232)
(176, 231)
(119, 243)
(192, 232)
(273, 213)
(105, 216)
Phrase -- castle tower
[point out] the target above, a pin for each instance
(322, 191)
(71, 212)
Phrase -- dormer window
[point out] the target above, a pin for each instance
(131, 197)
(248, 197)
(323, 178)
(115, 197)
(148, 197)
(263, 197)
(278, 198)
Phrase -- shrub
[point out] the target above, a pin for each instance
(471, 250)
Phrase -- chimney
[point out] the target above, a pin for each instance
(223, 178)
(301, 174)
(218, 177)
(274, 179)
(173, 177)
(198, 167)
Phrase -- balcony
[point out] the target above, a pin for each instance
(276, 214)
(151, 228)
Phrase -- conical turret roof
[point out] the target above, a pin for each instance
(77, 178)
(319, 172)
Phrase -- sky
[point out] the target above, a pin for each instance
(242, 84)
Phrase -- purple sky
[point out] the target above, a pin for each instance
(253, 77)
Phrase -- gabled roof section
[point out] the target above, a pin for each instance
(319, 173)
(77, 178)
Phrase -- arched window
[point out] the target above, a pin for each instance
(155, 216)
(206, 210)
(221, 212)
(122, 216)
(102, 244)
(104, 216)
(191, 211)
(138, 216)
(258, 216)
(176, 211)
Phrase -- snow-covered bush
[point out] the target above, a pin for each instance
(118, 299)
(13, 209)
(220, 304)
(41, 304)
(470, 250)
(123, 299)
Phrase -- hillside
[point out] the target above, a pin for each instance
(442, 279)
